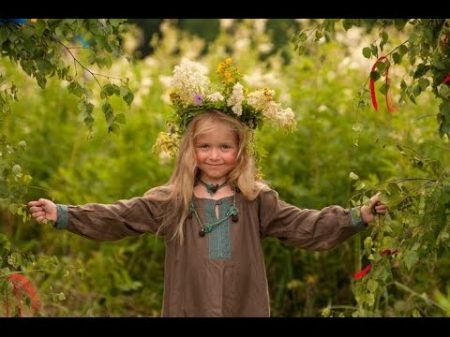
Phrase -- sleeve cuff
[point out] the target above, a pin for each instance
(357, 221)
(62, 219)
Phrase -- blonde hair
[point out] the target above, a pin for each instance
(178, 191)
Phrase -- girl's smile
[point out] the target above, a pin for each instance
(216, 152)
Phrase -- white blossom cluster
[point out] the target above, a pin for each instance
(190, 81)
(193, 88)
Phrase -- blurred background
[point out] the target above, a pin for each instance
(340, 153)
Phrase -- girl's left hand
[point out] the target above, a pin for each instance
(374, 207)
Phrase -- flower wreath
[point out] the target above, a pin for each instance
(192, 94)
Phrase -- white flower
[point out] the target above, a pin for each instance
(236, 98)
(259, 99)
(189, 79)
(271, 110)
(287, 117)
(191, 89)
(215, 97)
(263, 100)
(237, 109)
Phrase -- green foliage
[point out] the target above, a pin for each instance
(47, 50)
(426, 49)
(416, 235)
(51, 48)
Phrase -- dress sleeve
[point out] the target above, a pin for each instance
(109, 222)
(306, 228)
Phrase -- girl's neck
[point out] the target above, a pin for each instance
(208, 180)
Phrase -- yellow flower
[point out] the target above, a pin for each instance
(227, 71)
(228, 77)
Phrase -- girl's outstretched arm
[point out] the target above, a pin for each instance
(102, 222)
(314, 229)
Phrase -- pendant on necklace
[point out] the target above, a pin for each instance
(212, 188)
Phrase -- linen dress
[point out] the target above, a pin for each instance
(223, 272)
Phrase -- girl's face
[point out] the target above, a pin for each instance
(216, 151)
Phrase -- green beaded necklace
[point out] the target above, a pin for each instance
(212, 188)
(232, 213)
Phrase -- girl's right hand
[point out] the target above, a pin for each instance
(43, 210)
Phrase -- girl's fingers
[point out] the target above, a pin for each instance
(379, 208)
(35, 209)
(41, 219)
(39, 214)
(35, 204)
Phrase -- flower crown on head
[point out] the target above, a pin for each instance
(192, 94)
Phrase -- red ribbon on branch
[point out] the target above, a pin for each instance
(386, 252)
(447, 80)
(22, 285)
(362, 272)
(389, 103)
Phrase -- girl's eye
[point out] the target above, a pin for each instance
(226, 147)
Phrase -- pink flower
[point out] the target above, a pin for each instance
(198, 99)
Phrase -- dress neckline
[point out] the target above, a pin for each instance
(214, 200)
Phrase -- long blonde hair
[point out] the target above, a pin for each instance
(180, 188)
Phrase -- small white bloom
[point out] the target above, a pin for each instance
(259, 99)
(236, 98)
(288, 117)
(237, 109)
(215, 97)
(271, 110)
(189, 79)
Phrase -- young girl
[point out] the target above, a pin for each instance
(213, 214)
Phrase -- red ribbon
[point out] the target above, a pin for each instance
(447, 79)
(21, 284)
(364, 271)
(389, 103)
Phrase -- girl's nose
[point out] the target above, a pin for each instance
(214, 153)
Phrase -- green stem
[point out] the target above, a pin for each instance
(415, 294)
